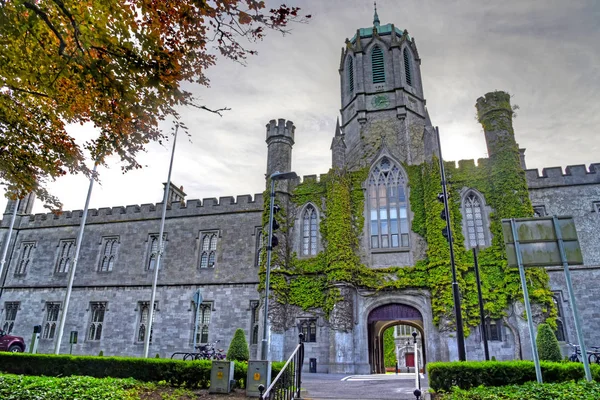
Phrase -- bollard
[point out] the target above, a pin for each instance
(417, 394)
(261, 390)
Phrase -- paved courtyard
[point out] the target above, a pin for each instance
(354, 387)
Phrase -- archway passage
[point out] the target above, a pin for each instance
(386, 316)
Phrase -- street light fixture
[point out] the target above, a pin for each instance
(417, 377)
(460, 336)
(275, 176)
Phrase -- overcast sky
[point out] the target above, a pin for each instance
(545, 53)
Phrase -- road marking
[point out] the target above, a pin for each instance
(379, 377)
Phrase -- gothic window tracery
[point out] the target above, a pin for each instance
(65, 254)
(309, 231)
(474, 220)
(26, 255)
(109, 253)
(96, 321)
(388, 206)
(378, 65)
(203, 321)
(52, 310)
(209, 249)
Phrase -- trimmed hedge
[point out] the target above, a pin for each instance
(444, 375)
(530, 390)
(192, 374)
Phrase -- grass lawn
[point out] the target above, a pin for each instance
(19, 387)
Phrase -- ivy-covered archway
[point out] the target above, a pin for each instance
(384, 317)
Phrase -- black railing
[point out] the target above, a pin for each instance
(286, 386)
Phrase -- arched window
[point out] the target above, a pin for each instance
(560, 326)
(309, 231)
(474, 221)
(209, 249)
(407, 67)
(378, 65)
(388, 212)
(350, 72)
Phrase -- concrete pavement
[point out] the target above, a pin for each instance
(355, 387)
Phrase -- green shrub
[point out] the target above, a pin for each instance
(444, 375)
(101, 353)
(238, 348)
(191, 374)
(547, 344)
(530, 390)
(19, 387)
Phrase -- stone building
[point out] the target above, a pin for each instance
(361, 248)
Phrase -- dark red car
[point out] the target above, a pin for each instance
(14, 344)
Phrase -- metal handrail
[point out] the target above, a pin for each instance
(281, 387)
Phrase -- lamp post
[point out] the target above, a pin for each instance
(275, 176)
(460, 337)
(159, 254)
(73, 266)
(480, 297)
(417, 377)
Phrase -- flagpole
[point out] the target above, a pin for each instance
(63, 316)
(160, 251)
(8, 236)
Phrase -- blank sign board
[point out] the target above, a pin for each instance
(539, 243)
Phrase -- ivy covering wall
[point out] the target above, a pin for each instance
(311, 283)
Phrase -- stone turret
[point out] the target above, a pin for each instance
(175, 195)
(494, 112)
(280, 139)
(25, 205)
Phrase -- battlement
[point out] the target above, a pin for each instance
(554, 176)
(313, 178)
(280, 128)
(189, 208)
(464, 164)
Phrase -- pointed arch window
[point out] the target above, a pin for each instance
(560, 333)
(407, 67)
(350, 72)
(388, 206)
(309, 231)
(109, 254)
(25, 261)
(209, 250)
(474, 220)
(65, 254)
(378, 65)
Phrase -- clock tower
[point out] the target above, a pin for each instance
(383, 106)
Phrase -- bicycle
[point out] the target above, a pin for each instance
(594, 355)
(574, 357)
(206, 352)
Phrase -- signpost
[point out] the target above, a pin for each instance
(197, 301)
(541, 242)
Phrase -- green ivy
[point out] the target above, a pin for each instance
(310, 283)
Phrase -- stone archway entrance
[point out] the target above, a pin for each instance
(384, 317)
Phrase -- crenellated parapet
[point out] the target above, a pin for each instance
(190, 208)
(280, 140)
(572, 175)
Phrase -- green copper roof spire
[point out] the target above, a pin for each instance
(375, 16)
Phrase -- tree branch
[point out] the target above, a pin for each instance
(76, 31)
(44, 17)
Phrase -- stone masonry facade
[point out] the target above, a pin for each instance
(214, 245)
